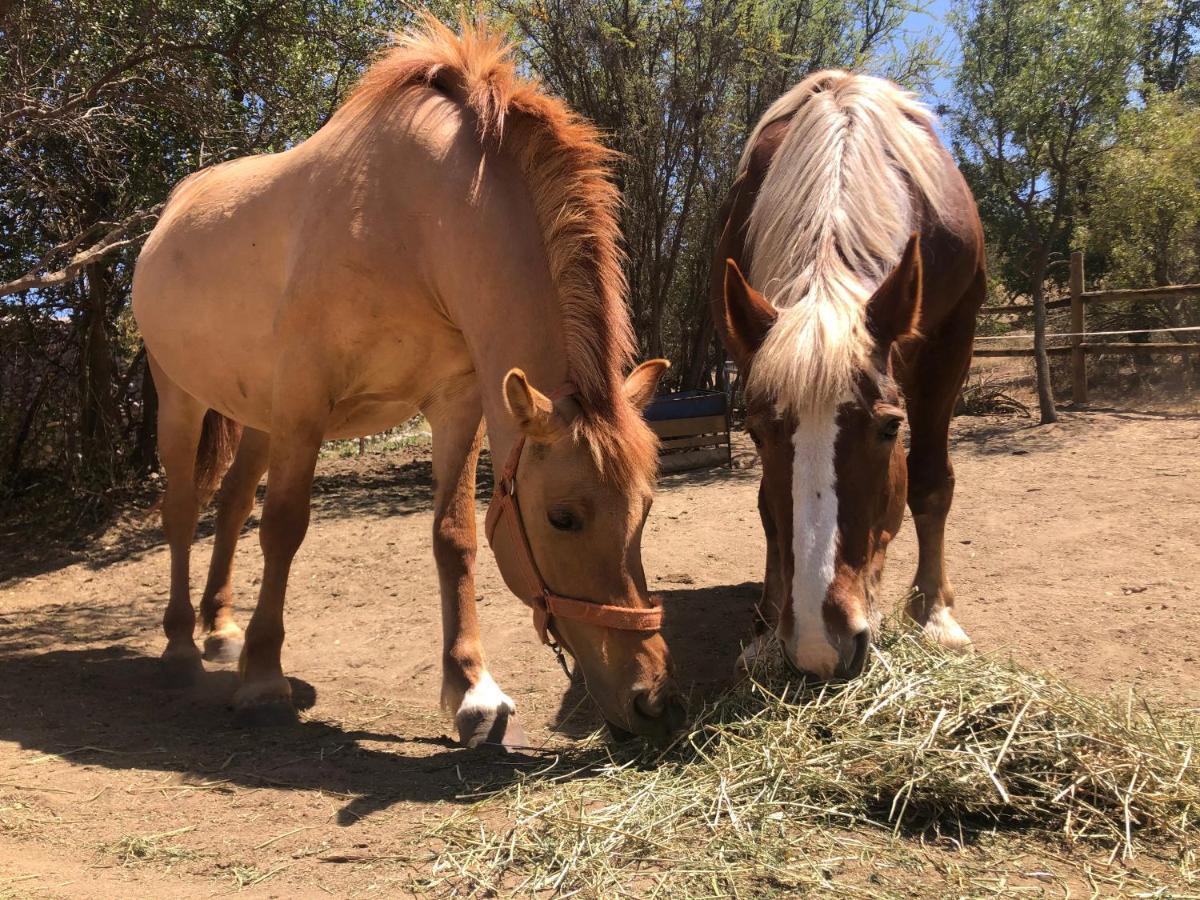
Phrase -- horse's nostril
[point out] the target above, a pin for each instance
(859, 649)
(665, 705)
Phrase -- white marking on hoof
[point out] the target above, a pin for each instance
(227, 630)
(487, 715)
(224, 644)
(943, 629)
(485, 697)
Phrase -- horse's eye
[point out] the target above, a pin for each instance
(890, 428)
(564, 520)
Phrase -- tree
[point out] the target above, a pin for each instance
(103, 108)
(1143, 224)
(1168, 44)
(1145, 196)
(677, 88)
(1037, 100)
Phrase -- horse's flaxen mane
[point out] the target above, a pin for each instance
(855, 172)
(566, 168)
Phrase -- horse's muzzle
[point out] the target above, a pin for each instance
(853, 653)
(657, 716)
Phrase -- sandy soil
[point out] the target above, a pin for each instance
(1072, 548)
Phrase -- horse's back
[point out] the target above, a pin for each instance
(315, 251)
(952, 246)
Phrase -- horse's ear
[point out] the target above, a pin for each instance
(532, 410)
(642, 382)
(748, 316)
(895, 309)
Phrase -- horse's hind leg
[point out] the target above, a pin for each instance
(482, 712)
(933, 380)
(180, 424)
(223, 641)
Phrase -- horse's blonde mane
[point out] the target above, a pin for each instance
(567, 171)
(830, 222)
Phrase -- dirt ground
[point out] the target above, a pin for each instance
(1072, 548)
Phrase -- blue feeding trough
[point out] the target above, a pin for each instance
(686, 404)
(693, 428)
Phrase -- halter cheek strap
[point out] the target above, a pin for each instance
(504, 519)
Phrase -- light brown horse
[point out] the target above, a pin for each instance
(450, 224)
(846, 283)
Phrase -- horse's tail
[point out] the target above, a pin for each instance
(219, 441)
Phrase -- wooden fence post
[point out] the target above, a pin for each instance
(1079, 390)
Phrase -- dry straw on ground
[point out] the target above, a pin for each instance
(923, 744)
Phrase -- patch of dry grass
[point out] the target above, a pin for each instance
(132, 849)
(781, 788)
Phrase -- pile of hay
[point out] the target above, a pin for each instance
(924, 743)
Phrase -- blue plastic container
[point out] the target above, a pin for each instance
(686, 405)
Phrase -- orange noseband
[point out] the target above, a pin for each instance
(505, 530)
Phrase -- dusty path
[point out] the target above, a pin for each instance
(1072, 547)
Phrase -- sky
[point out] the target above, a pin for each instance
(933, 19)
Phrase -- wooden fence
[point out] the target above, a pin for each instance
(1080, 345)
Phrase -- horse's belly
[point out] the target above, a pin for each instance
(359, 417)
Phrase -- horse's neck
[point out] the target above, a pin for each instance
(487, 260)
(526, 335)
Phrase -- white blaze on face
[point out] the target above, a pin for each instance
(814, 542)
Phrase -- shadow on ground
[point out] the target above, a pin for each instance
(105, 706)
(50, 534)
(705, 629)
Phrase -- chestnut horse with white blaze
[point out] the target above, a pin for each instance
(447, 243)
(846, 284)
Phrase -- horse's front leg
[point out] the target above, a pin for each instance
(482, 712)
(774, 594)
(934, 380)
(265, 696)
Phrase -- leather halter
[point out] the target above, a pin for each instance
(504, 522)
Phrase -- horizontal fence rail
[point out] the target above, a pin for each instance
(1079, 346)
(1123, 347)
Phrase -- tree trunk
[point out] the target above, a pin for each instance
(26, 427)
(1041, 360)
(145, 454)
(698, 360)
(97, 414)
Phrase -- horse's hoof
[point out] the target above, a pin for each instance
(941, 628)
(223, 646)
(264, 704)
(269, 714)
(498, 729)
(487, 716)
(181, 668)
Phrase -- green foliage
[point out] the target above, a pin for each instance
(1168, 43)
(1037, 99)
(1144, 217)
(103, 108)
(677, 87)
